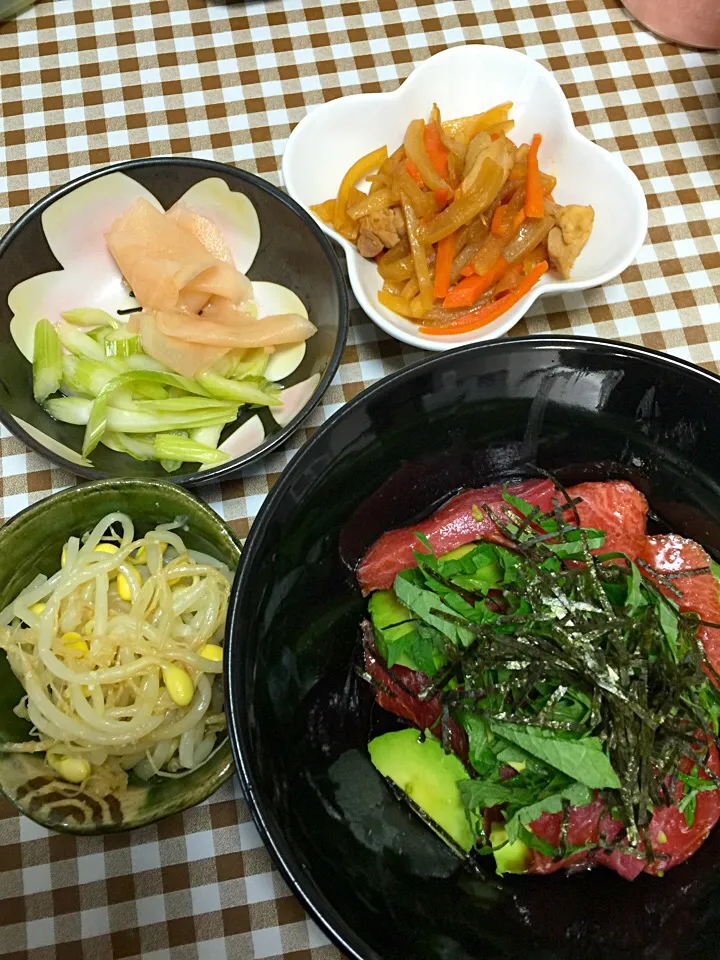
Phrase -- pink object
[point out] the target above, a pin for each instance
(694, 23)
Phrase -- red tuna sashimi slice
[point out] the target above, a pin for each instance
(397, 693)
(672, 554)
(682, 841)
(614, 506)
(453, 525)
(585, 824)
(617, 508)
(673, 841)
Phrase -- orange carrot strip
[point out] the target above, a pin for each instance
(436, 149)
(499, 225)
(490, 311)
(465, 293)
(534, 198)
(414, 173)
(443, 265)
(441, 198)
(467, 271)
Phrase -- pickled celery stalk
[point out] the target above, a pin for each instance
(239, 391)
(168, 446)
(147, 416)
(90, 317)
(80, 343)
(47, 361)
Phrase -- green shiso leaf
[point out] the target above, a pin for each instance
(583, 760)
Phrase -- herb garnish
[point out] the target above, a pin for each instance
(571, 673)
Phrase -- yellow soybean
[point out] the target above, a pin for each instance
(211, 651)
(74, 641)
(105, 548)
(73, 769)
(178, 684)
(123, 586)
(141, 555)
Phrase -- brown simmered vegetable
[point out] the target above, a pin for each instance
(567, 239)
(467, 205)
(457, 188)
(479, 143)
(417, 152)
(501, 152)
(372, 203)
(379, 231)
(530, 234)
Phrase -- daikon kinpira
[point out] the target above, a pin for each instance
(457, 199)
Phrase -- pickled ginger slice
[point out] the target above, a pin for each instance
(203, 229)
(178, 355)
(222, 280)
(224, 325)
(156, 256)
(192, 301)
(232, 213)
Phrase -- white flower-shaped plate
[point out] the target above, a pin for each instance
(465, 80)
(262, 230)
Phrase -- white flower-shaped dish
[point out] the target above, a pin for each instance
(465, 80)
(268, 235)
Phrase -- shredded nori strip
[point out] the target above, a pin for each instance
(653, 698)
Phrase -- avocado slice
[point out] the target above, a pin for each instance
(482, 577)
(391, 620)
(429, 776)
(389, 615)
(458, 553)
(509, 857)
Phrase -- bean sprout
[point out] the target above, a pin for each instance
(112, 651)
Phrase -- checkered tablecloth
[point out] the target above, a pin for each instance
(87, 82)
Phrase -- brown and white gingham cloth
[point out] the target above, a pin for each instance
(89, 82)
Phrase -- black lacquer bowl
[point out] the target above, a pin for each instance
(381, 884)
(292, 251)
